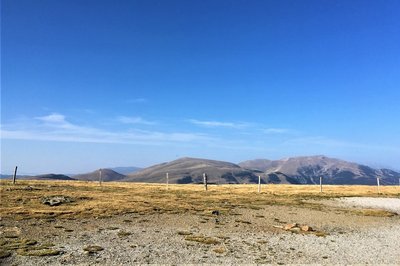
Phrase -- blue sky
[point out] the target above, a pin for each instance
(88, 84)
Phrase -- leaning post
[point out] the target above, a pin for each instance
(15, 174)
(100, 178)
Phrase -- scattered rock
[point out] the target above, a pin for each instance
(296, 228)
(306, 228)
(215, 212)
(290, 226)
(56, 200)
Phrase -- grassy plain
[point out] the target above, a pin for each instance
(23, 200)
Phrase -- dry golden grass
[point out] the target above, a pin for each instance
(27, 247)
(23, 200)
(374, 212)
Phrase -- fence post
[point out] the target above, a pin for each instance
(377, 181)
(100, 178)
(167, 181)
(320, 184)
(259, 184)
(15, 174)
(205, 181)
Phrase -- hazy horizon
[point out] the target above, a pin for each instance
(92, 84)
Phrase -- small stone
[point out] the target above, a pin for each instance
(215, 212)
(290, 226)
(306, 228)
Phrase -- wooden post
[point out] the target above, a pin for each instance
(100, 179)
(259, 184)
(205, 181)
(377, 181)
(320, 184)
(167, 181)
(15, 174)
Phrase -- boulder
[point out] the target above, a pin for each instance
(56, 200)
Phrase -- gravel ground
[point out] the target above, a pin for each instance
(390, 204)
(248, 237)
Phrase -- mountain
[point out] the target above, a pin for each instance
(53, 177)
(123, 170)
(107, 175)
(41, 177)
(308, 170)
(190, 170)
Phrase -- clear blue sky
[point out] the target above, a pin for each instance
(88, 83)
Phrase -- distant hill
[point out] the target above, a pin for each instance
(42, 177)
(190, 170)
(53, 177)
(126, 169)
(308, 169)
(107, 175)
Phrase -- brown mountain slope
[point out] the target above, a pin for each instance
(190, 170)
(107, 175)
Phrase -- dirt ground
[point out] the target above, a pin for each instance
(221, 230)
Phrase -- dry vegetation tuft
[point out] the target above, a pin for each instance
(375, 212)
(203, 240)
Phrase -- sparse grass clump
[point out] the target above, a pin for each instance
(375, 212)
(4, 253)
(203, 240)
(219, 250)
(39, 252)
(28, 247)
(184, 233)
(243, 221)
(93, 248)
(123, 234)
(321, 233)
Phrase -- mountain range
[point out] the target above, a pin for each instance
(308, 170)
(295, 170)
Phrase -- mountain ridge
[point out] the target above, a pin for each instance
(308, 169)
